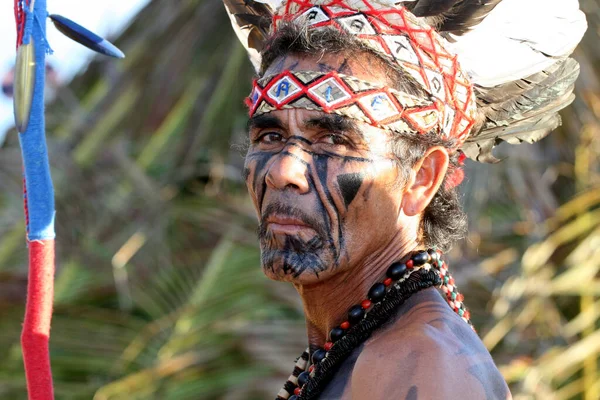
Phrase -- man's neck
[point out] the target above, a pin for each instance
(326, 304)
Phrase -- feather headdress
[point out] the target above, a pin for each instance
(515, 54)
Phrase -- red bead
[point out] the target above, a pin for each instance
(365, 304)
(327, 346)
(467, 314)
(409, 264)
(345, 325)
(297, 391)
(387, 282)
(451, 281)
(460, 297)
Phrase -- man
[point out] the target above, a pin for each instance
(352, 167)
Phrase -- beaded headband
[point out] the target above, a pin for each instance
(345, 95)
(395, 33)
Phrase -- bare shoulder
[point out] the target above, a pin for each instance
(427, 352)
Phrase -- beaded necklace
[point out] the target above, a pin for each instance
(423, 270)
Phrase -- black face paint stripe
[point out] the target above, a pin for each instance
(347, 158)
(323, 67)
(295, 157)
(322, 210)
(349, 186)
(413, 393)
(332, 155)
(345, 68)
(293, 66)
(260, 161)
(279, 66)
(300, 138)
(321, 168)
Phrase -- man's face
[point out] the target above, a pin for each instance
(326, 188)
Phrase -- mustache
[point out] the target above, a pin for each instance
(290, 211)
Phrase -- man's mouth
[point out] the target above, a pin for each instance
(282, 224)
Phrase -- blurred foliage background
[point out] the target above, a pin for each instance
(159, 294)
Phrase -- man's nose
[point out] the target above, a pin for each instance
(289, 170)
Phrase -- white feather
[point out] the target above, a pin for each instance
(242, 35)
(274, 4)
(519, 38)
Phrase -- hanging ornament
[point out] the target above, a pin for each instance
(85, 37)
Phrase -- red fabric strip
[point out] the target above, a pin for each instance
(38, 314)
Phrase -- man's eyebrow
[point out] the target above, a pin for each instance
(264, 121)
(334, 123)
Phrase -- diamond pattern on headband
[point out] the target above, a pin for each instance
(448, 120)
(314, 16)
(426, 119)
(357, 24)
(283, 89)
(330, 92)
(379, 106)
(255, 95)
(400, 48)
(436, 84)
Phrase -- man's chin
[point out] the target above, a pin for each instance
(295, 267)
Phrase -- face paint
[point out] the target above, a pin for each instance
(349, 186)
(319, 169)
(298, 253)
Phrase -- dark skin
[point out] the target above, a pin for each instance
(334, 213)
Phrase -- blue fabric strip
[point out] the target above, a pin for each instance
(40, 193)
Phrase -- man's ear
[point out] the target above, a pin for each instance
(425, 179)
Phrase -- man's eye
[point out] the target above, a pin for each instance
(270, 137)
(335, 139)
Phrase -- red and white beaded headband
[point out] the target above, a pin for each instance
(345, 95)
(394, 33)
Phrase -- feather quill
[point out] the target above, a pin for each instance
(85, 37)
(429, 8)
(251, 21)
(465, 15)
(500, 93)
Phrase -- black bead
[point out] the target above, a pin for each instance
(421, 258)
(293, 397)
(434, 255)
(377, 292)
(396, 270)
(317, 356)
(335, 334)
(355, 314)
(302, 378)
